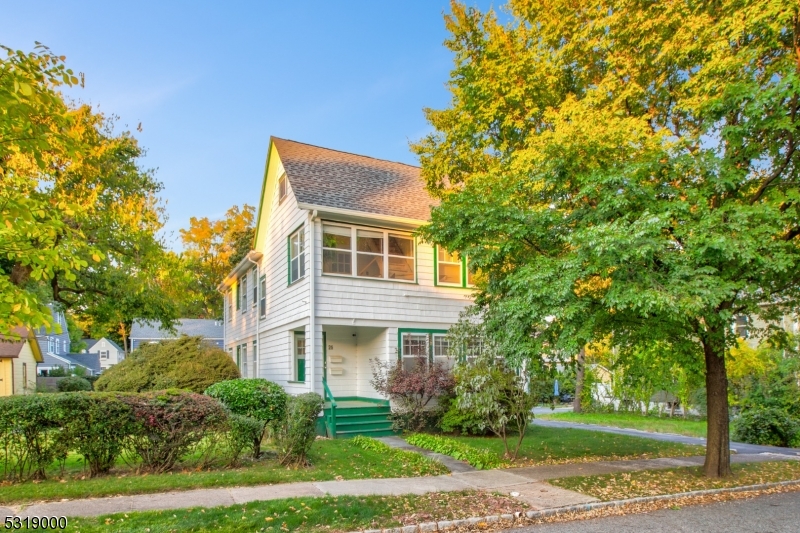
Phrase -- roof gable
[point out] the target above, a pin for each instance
(330, 178)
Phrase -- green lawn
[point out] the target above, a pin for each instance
(655, 482)
(544, 445)
(331, 459)
(310, 515)
(691, 428)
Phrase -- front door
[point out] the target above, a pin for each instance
(6, 377)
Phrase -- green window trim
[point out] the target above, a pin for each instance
(463, 274)
(238, 299)
(298, 364)
(401, 331)
(301, 256)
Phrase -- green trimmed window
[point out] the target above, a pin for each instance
(424, 347)
(299, 349)
(368, 253)
(297, 255)
(452, 269)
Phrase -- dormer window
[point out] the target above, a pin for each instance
(282, 188)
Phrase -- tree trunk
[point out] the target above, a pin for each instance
(718, 452)
(576, 401)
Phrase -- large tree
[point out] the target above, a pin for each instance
(211, 249)
(629, 168)
(80, 217)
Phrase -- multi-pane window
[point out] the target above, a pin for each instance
(238, 295)
(282, 188)
(51, 345)
(299, 356)
(243, 292)
(263, 302)
(58, 345)
(441, 351)
(230, 305)
(297, 255)
(243, 366)
(255, 287)
(253, 362)
(104, 355)
(375, 253)
(415, 350)
(452, 269)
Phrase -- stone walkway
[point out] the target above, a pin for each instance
(739, 447)
(528, 484)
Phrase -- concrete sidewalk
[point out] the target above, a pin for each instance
(528, 484)
(740, 447)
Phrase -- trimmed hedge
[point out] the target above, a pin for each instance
(160, 427)
(297, 432)
(256, 399)
(186, 363)
(73, 384)
(414, 460)
(480, 459)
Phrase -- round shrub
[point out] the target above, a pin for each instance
(186, 363)
(168, 423)
(243, 433)
(297, 433)
(258, 399)
(766, 425)
(73, 384)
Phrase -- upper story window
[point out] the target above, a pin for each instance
(452, 269)
(282, 188)
(237, 295)
(51, 345)
(297, 255)
(243, 292)
(263, 302)
(230, 305)
(255, 287)
(367, 253)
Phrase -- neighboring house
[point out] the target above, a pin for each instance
(109, 351)
(90, 362)
(50, 340)
(143, 332)
(336, 278)
(18, 361)
(790, 323)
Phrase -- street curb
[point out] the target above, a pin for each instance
(444, 525)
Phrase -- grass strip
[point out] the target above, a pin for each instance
(412, 459)
(653, 424)
(543, 445)
(481, 459)
(330, 460)
(310, 515)
(624, 485)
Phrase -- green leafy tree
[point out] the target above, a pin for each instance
(627, 168)
(80, 217)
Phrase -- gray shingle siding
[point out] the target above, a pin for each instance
(42, 334)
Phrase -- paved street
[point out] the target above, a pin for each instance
(778, 513)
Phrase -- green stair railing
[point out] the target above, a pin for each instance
(330, 418)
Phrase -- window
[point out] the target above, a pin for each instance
(243, 292)
(243, 361)
(377, 254)
(104, 355)
(230, 306)
(741, 327)
(58, 346)
(415, 350)
(254, 369)
(51, 345)
(441, 351)
(297, 255)
(255, 287)
(238, 296)
(422, 347)
(239, 356)
(299, 356)
(452, 269)
(282, 188)
(263, 303)
(24, 375)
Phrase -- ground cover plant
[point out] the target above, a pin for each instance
(328, 514)
(330, 460)
(625, 485)
(478, 457)
(688, 427)
(413, 459)
(543, 445)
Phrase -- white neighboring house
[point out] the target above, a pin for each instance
(109, 351)
(336, 279)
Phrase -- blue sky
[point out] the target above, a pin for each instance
(211, 81)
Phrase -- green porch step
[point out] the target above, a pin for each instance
(361, 418)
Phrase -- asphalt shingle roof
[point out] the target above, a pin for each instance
(325, 177)
(86, 360)
(209, 329)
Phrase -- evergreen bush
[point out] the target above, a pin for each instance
(73, 384)
(766, 425)
(187, 363)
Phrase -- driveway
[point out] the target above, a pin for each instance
(776, 513)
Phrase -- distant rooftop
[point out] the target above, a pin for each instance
(209, 329)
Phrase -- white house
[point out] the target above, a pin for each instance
(109, 351)
(336, 279)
